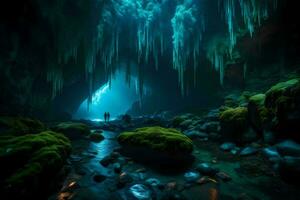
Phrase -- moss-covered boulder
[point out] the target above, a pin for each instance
(30, 163)
(157, 143)
(259, 116)
(73, 130)
(20, 125)
(283, 101)
(235, 125)
(96, 136)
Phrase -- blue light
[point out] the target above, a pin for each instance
(116, 100)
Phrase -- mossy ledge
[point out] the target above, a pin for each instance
(31, 162)
(157, 144)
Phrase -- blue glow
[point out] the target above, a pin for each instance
(116, 100)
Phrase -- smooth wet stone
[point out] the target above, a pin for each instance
(191, 176)
(140, 192)
(270, 152)
(194, 134)
(210, 127)
(99, 178)
(288, 148)
(153, 182)
(248, 151)
(227, 146)
(235, 150)
(206, 169)
(76, 158)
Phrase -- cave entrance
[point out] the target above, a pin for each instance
(116, 99)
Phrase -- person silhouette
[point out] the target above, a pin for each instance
(105, 117)
(108, 116)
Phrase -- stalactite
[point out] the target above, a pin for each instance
(55, 77)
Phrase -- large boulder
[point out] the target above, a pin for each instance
(30, 163)
(73, 130)
(157, 144)
(235, 125)
(283, 100)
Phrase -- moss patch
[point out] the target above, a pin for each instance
(20, 125)
(30, 161)
(73, 130)
(158, 139)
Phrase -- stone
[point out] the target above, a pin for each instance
(194, 134)
(206, 169)
(288, 148)
(154, 182)
(107, 160)
(140, 192)
(227, 146)
(248, 151)
(270, 152)
(210, 127)
(191, 176)
(123, 179)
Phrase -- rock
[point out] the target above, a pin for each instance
(107, 160)
(248, 151)
(117, 167)
(268, 137)
(96, 137)
(185, 124)
(191, 176)
(223, 176)
(288, 148)
(206, 169)
(270, 152)
(227, 146)
(29, 160)
(99, 178)
(213, 115)
(123, 179)
(157, 145)
(73, 130)
(210, 127)
(140, 192)
(234, 123)
(194, 134)
(153, 182)
(235, 150)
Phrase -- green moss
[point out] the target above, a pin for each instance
(288, 88)
(238, 114)
(158, 139)
(28, 159)
(20, 125)
(258, 99)
(72, 129)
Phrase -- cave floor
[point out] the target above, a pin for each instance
(251, 177)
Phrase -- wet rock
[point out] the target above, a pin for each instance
(223, 176)
(270, 152)
(235, 150)
(153, 182)
(227, 146)
(73, 130)
(96, 137)
(210, 127)
(206, 169)
(124, 179)
(213, 115)
(288, 148)
(140, 192)
(185, 124)
(117, 167)
(99, 178)
(191, 176)
(107, 160)
(248, 151)
(194, 134)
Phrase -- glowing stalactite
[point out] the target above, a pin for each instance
(55, 77)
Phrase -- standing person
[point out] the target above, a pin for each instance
(105, 117)
(108, 116)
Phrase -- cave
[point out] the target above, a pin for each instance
(149, 99)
